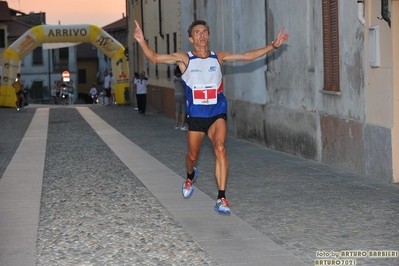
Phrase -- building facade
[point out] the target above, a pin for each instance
(330, 94)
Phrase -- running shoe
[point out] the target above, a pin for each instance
(188, 187)
(222, 206)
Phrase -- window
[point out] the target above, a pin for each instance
(64, 53)
(60, 59)
(2, 38)
(37, 56)
(331, 45)
(174, 42)
(156, 50)
(168, 52)
(82, 76)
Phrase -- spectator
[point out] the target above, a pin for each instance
(64, 93)
(18, 85)
(71, 92)
(180, 101)
(112, 83)
(136, 76)
(93, 93)
(141, 85)
(106, 87)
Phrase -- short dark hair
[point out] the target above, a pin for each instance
(195, 23)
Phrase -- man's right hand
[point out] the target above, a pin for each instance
(138, 33)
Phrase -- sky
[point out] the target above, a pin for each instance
(97, 12)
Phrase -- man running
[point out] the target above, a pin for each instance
(206, 104)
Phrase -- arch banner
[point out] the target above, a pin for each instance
(38, 35)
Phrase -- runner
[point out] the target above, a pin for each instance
(206, 104)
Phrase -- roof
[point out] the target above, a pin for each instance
(117, 25)
(33, 18)
(5, 14)
(17, 28)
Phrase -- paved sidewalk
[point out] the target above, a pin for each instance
(285, 209)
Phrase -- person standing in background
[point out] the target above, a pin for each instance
(71, 91)
(106, 87)
(141, 85)
(180, 101)
(136, 76)
(18, 85)
(93, 93)
(112, 83)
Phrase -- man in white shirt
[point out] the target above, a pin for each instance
(141, 85)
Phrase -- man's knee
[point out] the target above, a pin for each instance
(191, 156)
(220, 149)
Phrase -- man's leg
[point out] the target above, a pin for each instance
(22, 100)
(139, 103)
(183, 119)
(194, 139)
(144, 102)
(18, 102)
(217, 134)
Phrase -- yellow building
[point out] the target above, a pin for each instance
(160, 22)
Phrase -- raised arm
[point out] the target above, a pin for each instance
(253, 54)
(176, 58)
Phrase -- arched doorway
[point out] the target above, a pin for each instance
(57, 34)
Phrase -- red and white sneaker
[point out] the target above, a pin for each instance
(188, 187)
(222, 206)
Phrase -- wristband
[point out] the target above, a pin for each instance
(274, 46)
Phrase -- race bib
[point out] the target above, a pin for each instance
(205, 94)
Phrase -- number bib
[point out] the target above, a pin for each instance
(205, 94)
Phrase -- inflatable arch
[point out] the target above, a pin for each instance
(57, 34)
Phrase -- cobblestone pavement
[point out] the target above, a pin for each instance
(95, 212)
(302, 205)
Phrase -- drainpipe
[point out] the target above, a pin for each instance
(160, 18)
(386, 15)
(142, 15)
(360, 11)
(195, 9)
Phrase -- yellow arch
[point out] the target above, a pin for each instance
(62, 33)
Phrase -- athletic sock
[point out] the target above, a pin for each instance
(190, 176)
(221, 194)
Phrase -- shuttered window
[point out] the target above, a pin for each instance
(38, 56)
(2, 38)
(331, 45)
(156, 50)
(168, 52)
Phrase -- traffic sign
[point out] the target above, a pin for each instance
(65, 76)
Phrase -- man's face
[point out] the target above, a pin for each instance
(105, 73)
(200, 35)
(142, 74)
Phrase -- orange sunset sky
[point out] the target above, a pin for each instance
(96, 12)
